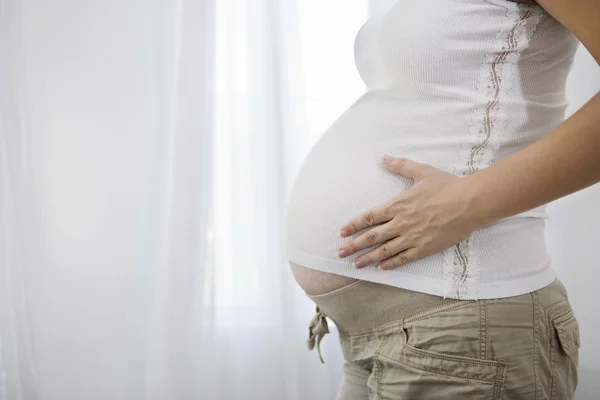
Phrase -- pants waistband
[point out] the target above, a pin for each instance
(364, 305)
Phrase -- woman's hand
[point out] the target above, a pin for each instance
(431, 216)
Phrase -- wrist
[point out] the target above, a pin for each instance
(475, 203)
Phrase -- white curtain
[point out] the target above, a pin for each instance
(146, 151)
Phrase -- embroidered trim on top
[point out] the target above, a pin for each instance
(497, 81)
(461, 273)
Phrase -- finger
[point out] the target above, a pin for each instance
(372, 217)
(405, 167)
(370, 238)
(400, 259)
(383, 252)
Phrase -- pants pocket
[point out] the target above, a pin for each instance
(406, 372)
(564, 350)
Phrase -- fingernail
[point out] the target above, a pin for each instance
(357, 263)
(343, 232)
(387, 158)
(341, 253)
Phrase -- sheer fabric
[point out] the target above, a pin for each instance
(146, 149)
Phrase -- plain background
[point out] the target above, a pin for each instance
(573, 236)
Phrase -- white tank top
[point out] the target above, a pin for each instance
(457, 84)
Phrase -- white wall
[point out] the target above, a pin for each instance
(573, 237)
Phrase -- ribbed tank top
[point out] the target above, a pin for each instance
(457, 84)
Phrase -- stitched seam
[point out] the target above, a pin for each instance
(379, 367)
(483, 329)
(553, 343)
(557, 312)
(567, 346)
(558, 321)
(438, 309)
(536, 372)
(334, 291)
(379, 377)
(499, 381)
(457, 359)
(438, 374)
(559, 308)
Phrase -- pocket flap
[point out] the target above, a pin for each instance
(567, 330)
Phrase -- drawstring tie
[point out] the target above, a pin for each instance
(316, 330)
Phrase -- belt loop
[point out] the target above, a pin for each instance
(317, 329)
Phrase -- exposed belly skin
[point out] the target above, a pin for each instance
(315, 282)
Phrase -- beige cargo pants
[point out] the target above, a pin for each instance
(405, 345)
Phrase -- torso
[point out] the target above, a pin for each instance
(459, 107)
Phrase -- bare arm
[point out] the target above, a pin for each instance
(441, 209)
(564, 161)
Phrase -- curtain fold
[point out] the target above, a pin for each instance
(146, 153)
(147, 148)
(18, 377)
(178, 218)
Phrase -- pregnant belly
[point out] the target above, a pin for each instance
(315, 282)
(343, 176)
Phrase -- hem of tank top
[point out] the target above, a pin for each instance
(537, 213)
(511, 4)
(427, 285)
(345, 264)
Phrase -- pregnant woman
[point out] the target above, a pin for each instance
(416, 223)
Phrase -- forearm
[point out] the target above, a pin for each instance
(564, 161)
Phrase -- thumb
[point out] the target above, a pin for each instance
(405, 167)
